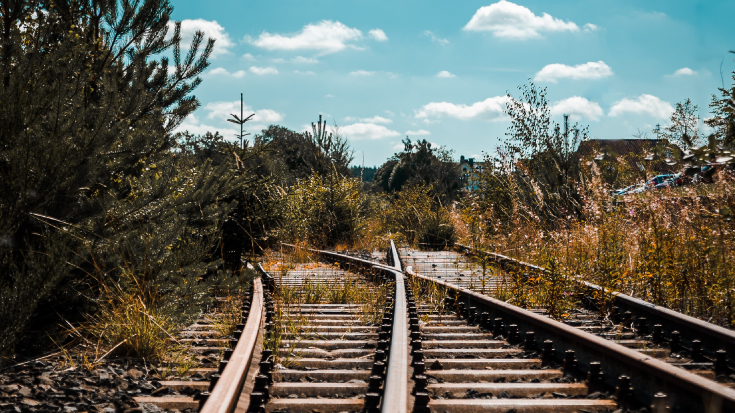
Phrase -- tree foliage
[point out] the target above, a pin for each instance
(420, 164)
(539, 156)
(93, 179)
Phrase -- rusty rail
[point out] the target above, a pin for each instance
(711, 336)
(395, 396)
(226, 394)
(395, 391)
(687, 392)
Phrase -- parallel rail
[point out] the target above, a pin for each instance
(395, 390)
(686, 391)
(226, 393)
(713, 338)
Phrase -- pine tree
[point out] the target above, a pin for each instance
(90, 92)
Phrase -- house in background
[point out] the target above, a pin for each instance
(471, 170)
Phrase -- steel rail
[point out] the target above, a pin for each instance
(395, 392)
(226, 394)
(713, 337)
(687, 391)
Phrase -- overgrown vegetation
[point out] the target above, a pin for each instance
(671, 248)
(112, 221)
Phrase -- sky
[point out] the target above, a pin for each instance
(440, 71)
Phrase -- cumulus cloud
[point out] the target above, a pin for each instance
(376, 119)
(222, 110)
(248, 56)
(445, 73)
(489, 109)
(263, 70)
(684, 71)
(644, 104)
(419, 132)
(324, 37)
(362, 73)
(192, 124)
(434, 38)
(590, 70)
(509, 20)
(211, 29)
(378, 35)
(221, 71)
(577, 108)
(370, 131)
(302, 59)
(308, 72)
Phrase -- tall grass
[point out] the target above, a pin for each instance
(671, 248)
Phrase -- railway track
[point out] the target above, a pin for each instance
(334, 340)
(702, 348)
(467, 351)
(633, 377)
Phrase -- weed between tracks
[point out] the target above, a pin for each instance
(317, 284)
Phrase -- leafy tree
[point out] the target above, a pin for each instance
(297, 156)
(420, 164)
(543, 155)
(684, 128)
(723, 121)
(325, 211)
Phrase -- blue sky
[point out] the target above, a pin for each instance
(440, 70)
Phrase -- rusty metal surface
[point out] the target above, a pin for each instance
(395, 396)
(226, 394)
(713, 337)
(690, 393)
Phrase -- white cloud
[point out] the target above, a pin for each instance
(376, 119)
(419, 132)
(362, 73)
(489, 109)
(589, 27)
(399, 147)
(221, 71)
(211, 29)
(328, 96)
(644, 104)
(192, 124)
(684, 71)
(360, 130)
(509, 20)
(223, 110)
(308, 72)
(263, 70)
(590, 70)
(577, 108)
(248, 56)
(434, 38)
(325, 37)
(302, 59)
(378, 35)
(445, 73)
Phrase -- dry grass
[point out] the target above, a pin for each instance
(674, 249)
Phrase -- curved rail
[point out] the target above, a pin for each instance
(226, 394)
(687, 391)
(395, 394)
(711, 336)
